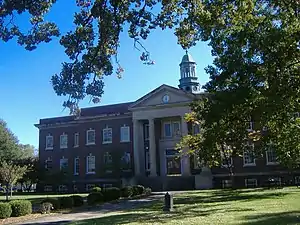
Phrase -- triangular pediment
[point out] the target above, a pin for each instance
(163, 95)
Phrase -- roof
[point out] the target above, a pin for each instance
(91, 111)
(187, 58)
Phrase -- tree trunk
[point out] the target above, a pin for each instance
(11, 190)
(7, 192)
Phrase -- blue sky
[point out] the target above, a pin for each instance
(25, 88)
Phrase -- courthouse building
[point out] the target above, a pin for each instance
(134, 142)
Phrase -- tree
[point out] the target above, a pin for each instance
(33, 172)
(27, 151)
(10, 173)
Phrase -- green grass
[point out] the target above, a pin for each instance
(247, 206)
(36, 198)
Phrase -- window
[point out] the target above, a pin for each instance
(107, 158)
(147, 161)
(62, 188)
(48, 163)
(271, 156)
(226, 157)
(76, 166)
(107, 135)
(173, 162)
(196, 129)
(49, 142)
(171, 129)
(75, 188)
(250, 183)
(226, 183)
(297, 180)
(76, 139)
(106, 186)
(126, 161)
(90, 137)
(90, 164)
(47, 188)
(88, 187)
(125, 134)
(64, 141)
(249, 158)
(63, 164)
(146, 132)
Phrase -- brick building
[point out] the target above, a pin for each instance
(134, 142)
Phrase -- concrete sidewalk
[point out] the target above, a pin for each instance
(93, 213)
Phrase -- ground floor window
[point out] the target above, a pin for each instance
(250, 183)
(297, 180)
(75, 189)
(106, 186)
(89, 187)
(226, 183)
(62, 188)
(48, 188)
(173, 162)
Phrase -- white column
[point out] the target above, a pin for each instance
(136, 152)
(185, 159)
(152, 150)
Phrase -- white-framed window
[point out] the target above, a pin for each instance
(90, 164)
(126, 161)
(173, 162)
(146, 131)
(76, 139)
(271, 156)
(171, 129)
(125, 134)
(90, 137)
(63, 140)
(49, 142)
(48, 163)
(89, 187)
(107, 135)
(248, 156)
(48, 188)
(197, 161)
(297, 180)
(226, 157)
(226, 183)
(147, 161)
(62, 188)
(107, 158)
(250, 183)
(63, 163)
(76, 166)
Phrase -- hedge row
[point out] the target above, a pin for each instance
(65, 202)
(15, 208)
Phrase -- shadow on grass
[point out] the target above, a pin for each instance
(283, 218)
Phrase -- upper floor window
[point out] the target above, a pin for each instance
(271, 155)
(76, 166)
(125, 133)
(107, 158)
(76, 139)
(90, 137)
(171, 129)
(64, 141)
(63, 164)
(107, 135)
(48, 163)
(249, 157)
(49, 142)
(90, 164)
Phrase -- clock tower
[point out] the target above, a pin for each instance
(188, 79)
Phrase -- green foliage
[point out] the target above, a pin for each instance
(78, 200)
(20, 207)
(110, 194)
(96, 189)
(46, 207)
(147, 191)
(66, 202)
(138, 190)
(54, 201)
(126, 192)
(95, 198)
(5, 210)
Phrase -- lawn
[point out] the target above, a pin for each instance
(247, 206)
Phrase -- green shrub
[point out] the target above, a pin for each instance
(110, 194)
(126, 192)
(95, 198)
(46, 207)
(66, 202)
(96, 189)
(20, 207)
(138, 190)
(77, 200)
(54, 201)
(5, 210)
(147, 191)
